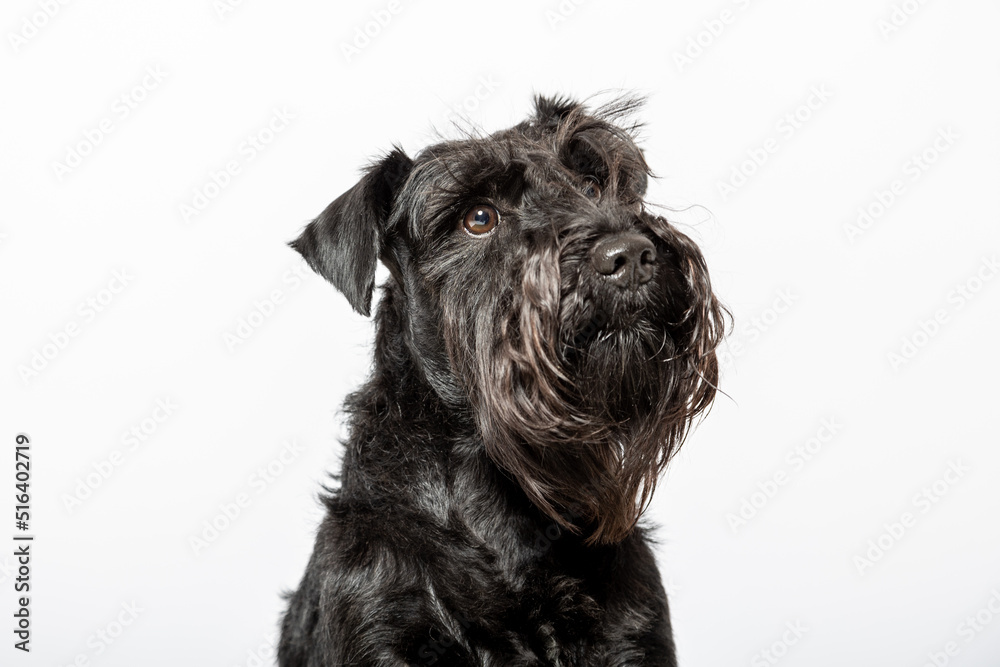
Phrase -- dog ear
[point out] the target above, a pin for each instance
(550, 110)
(344, 243)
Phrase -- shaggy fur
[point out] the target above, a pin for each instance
(521, 407)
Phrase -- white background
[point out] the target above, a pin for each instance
(779, 242)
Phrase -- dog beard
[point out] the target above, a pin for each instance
(582, 405)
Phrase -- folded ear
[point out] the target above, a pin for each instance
(344, 243)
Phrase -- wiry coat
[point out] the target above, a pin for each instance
(519, 409)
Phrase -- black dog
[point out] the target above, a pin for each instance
(542, 346)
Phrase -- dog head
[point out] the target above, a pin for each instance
(538, 295)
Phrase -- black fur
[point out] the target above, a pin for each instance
(521, 406)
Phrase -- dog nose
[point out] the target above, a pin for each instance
(625, 258)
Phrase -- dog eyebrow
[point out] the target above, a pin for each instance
(470, 179)
(497, 176)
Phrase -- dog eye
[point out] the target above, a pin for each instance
(592, 188)
(481, 219)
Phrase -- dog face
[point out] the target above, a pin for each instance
(537, 295)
